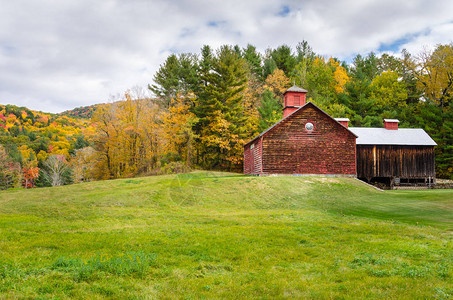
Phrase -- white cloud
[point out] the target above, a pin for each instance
(57, 55)
(441, 34)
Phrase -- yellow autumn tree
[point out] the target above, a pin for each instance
(434, 71)
(340, 75)
(277, 82)
(107, 132)
(251, 102)
(128, 139)
(221, 143)
(82, 164)
(177, 127)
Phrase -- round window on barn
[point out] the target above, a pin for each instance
(309, 126)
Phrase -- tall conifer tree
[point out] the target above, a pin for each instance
(220, 111)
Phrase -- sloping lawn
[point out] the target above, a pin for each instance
(222, 235)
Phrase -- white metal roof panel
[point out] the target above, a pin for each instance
(382, 136)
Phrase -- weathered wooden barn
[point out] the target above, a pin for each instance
(395, 156)
(308, 141)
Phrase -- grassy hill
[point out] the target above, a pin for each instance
(211, 235)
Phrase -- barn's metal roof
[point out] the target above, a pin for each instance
(296, 89)
(401, 136)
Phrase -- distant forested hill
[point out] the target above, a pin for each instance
(28, 138)
(84, 112)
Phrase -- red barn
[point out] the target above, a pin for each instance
(306, 141)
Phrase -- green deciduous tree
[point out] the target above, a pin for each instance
(321, 82)
(388, 91)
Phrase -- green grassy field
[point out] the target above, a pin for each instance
(220, 235)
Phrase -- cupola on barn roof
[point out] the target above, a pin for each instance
(294, 97)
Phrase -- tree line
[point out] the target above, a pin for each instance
(234, 93)
(207, 105)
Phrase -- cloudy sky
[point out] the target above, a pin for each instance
(58, 55)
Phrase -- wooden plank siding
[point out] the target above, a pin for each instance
(395, 161)
(253, 158)
(328, 149)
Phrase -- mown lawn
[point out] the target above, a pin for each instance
(220, 235)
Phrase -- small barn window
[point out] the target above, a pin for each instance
(296, 100)
(252, 146)
(309, 126)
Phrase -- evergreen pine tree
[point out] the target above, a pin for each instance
(270, 110)
(220, 111)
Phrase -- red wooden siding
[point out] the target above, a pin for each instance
(293, 100)
(289, 148)
(253, 158)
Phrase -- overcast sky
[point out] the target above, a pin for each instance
(58, 55)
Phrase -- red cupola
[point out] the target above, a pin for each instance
(294, 97)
